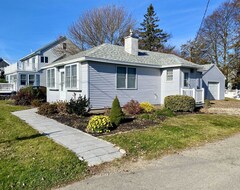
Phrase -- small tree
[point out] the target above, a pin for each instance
(116, 114)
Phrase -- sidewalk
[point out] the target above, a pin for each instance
(94, 150)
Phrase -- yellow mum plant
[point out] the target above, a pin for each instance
(99, 124)
(147, 107)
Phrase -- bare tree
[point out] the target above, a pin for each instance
(109, 24)
(218, 38)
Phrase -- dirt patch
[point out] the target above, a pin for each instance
(229, 107)
(130, 123)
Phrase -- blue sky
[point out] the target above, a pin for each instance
(26, 25)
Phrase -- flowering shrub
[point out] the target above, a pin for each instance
(132, 107)
(99, 124)
(147, 107)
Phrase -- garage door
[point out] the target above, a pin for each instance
(213, 90)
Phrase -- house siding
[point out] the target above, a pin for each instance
(214, 75)
(102, 85)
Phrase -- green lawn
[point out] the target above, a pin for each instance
(176, 133)
(31, 161)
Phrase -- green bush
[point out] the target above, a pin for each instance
(26, 95)
(3, 80)
(164, 112)
(179, 103)
(147, 107)
(47, 109)
(99, 124)
(116, 114)
(147, 116)
(78, 106)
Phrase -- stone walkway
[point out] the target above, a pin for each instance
(94, 150)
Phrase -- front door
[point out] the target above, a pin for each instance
(62, 85)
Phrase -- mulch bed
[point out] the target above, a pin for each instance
(130, 123)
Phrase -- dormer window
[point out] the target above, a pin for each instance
(64, 46)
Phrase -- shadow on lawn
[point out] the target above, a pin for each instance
(23, 138)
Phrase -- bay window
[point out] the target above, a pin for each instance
(23, 79)
(126, 78)
(31, 79)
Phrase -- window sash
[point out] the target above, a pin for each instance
(121, 77)
(51, 78)
(68, 77)
(126, 78)
(31, 79)
(23, 80)
(186, 80)
(169, 75)
(74, 76)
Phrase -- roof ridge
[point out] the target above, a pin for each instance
(94, 49)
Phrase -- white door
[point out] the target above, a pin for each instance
(62, 90)
(213, 90)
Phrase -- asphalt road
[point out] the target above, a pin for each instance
(213, 166)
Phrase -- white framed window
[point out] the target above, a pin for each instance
(31, 79)
(186, 79)
(126, 78)
(44, 59)
(51, 78)
(23, 79)
(71, 76)
(169, 75)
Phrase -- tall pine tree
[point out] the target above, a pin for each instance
(151, 37)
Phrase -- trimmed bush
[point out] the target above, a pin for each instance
(99, 124)
(62, 107)
(47, 109)
(132, 107)
(179, 103)
(3, 80)
(147, 107)
(78, 106)
(26, 95)
(116, 114)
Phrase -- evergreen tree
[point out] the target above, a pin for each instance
(151, 37)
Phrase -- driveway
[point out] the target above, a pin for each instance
(213, 166)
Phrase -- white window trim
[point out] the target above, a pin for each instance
(78, 75)
(55, 78)
(126, 82)
(34, 81)
(167, 75)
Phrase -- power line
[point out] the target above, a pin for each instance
(205, 12)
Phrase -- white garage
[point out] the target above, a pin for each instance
(213, 91)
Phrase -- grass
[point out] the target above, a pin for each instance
(175, 134)
(29, 160)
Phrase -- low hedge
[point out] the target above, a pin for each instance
(179, 103)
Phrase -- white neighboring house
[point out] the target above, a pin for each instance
(106, 71)
(28, 70)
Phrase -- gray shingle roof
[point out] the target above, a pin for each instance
(206, 67)
(117, 53)
(3, 63)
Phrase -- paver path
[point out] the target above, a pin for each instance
(94, 150)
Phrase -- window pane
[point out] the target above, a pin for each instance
(68, 76)
(121, 77)
(46, 59)
(131, 77)
(37, 80)
(169, 75)
(52, 78)
(74, 76)
(186, 75)
(31, 79)
(23, 80)
(42, 59)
